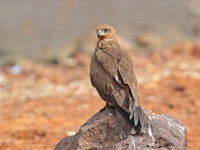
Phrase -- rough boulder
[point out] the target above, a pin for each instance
(104, 132)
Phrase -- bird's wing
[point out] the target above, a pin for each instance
(92, 65)
(108, 61)
(120, 68)
(126, 74)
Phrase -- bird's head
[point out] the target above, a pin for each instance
(105, 31)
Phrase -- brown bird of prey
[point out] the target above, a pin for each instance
(112, 74)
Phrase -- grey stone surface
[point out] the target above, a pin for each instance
(103, 132)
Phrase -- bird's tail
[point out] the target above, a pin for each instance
(139, 115)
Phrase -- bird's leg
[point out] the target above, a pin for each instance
(107, 105)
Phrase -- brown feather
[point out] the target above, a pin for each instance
(112, 74)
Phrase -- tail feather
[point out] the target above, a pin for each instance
(136, 115)
(139, 116)
(138, 121)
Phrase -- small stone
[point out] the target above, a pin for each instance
(16, 69)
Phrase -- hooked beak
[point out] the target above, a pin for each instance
(100, 33)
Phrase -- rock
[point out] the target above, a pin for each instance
(103, 132)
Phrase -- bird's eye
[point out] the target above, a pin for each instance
(105, 30)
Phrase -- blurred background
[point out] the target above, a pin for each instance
(45, 51)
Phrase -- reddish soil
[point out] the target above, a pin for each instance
(44, 103)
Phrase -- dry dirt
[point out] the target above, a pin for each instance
(40, 104)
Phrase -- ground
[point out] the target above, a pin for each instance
(40, 103)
